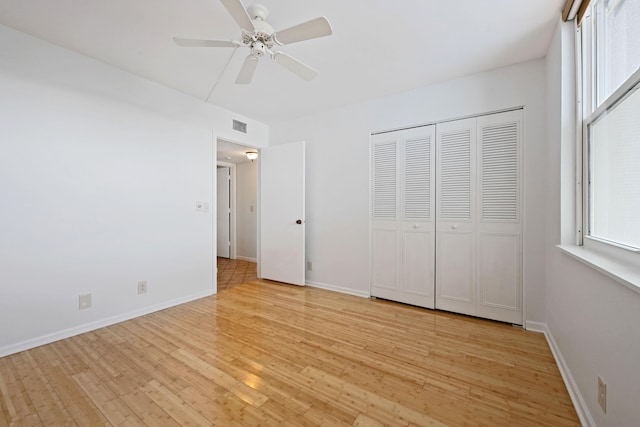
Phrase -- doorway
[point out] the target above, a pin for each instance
(240, 218)
(274, 235)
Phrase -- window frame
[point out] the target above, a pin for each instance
(587, 113)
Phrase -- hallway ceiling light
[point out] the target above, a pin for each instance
(252, 155)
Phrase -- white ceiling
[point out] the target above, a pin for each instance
(230, 152)
(378, 47)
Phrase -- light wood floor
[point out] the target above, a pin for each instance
(234, 272)
(270, 354)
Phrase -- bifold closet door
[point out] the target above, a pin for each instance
(499, 262)
(479, 224)
(455, 235)
(403, 226)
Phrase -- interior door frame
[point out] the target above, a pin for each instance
(214, 207)
(233, 166)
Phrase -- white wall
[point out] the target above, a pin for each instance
(338, 169)
(246, 210)
(34, 60)
(99, 174)
(592, 319)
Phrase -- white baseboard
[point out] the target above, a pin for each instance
(349, 291)
(244, 258)
(535, 326)
(77, 330)
(574, 392)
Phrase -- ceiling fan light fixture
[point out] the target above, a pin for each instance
(258, 35)
(258, 49)
(251, 155)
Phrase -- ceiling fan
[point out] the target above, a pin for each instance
(261, 39)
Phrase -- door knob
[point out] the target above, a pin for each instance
(299, 221)
(454, 227)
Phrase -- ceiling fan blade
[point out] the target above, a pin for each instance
(313, 29)
(247, 71)
(239, 14)
(295, 66)
(203, 43)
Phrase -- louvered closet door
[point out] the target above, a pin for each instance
(455, 226)
(418, 223)
(385, 235)
(403, 246)
(499, 263)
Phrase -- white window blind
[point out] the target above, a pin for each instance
(610, 35)
(617, 44)
(614, 181)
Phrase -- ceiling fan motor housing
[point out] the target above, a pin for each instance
(258, 11)
(261, 40)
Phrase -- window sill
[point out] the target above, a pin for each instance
(621, 271)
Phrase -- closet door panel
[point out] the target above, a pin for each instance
(499, 272)
(500, 225)
(385, 216)
(455, 241)
(455, 288)
(385, 262)
(418, 225)
(417, 267)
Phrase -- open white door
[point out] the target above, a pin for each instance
(282, 219)
(224, 212)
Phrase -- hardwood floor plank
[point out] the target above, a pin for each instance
(265, 353)
(221, 378)
(177, 408)
(9, 410)
(46, 402)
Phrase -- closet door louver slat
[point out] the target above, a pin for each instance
(417, 179)
(384, 181)
(455, 175)
(499, 173)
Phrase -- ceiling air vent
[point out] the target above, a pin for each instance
(239, 126)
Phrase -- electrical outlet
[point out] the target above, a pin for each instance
(602, 394)
(309, 265)
(84, 301)
(142, 287)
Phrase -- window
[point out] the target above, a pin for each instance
(610, 36)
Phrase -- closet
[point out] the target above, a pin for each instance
(402, 226)
(446, 224)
